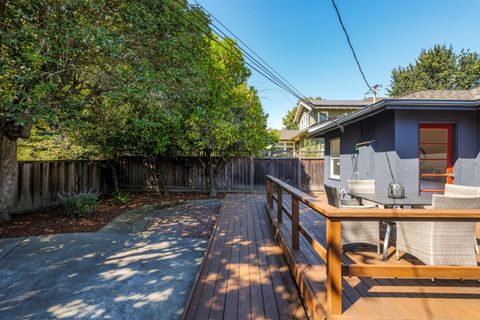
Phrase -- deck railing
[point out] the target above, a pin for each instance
(332, 253)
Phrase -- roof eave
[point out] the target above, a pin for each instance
(395, 104)
(301, 105)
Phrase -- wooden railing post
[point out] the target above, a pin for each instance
(295, 223)
(279, 205)
(269, 195)
(334, 266)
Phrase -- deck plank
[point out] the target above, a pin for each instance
(247, 274)
(244, 275)
(393, 298)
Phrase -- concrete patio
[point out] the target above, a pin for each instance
(128, 270)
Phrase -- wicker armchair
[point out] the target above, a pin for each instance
(355, 231)
(440, 243)
(455, 190)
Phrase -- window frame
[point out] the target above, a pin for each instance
(320, 114)
(332, 159)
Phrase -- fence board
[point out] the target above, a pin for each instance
(39, 182)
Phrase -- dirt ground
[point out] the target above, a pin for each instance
(55, 221)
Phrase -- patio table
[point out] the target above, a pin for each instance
(385, 200)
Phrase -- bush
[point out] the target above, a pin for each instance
(79, 205)
(121, 197)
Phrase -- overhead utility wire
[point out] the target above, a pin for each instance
(276, 80)
(251, 60)
(351, 46)
(250, 49)
(298, 95)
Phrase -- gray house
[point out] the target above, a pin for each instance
(422, 140)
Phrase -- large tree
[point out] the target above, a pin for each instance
(60, 59)
(437, 68)
(55, 56)
(227, 119)
(145, 115)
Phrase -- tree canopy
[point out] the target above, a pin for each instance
(287, 120)
(114, 78)
(438, 68)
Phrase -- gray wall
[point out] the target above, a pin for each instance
(371, 161)
(396, 146)
(465, 144)
(477, 159)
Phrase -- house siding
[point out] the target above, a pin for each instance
(394, 150)
(371, 161)
(477, 159)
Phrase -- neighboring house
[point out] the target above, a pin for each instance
(286, 141)
(311, 114)
(422, 140)
(318, 111)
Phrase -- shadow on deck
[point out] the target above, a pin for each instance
(245, 275)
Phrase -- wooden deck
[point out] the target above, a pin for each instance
(244, 274)
(375, 298)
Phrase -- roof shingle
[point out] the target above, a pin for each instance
(472, 94)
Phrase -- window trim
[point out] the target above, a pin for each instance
(332, 175)
(321, 113)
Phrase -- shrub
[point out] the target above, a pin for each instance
(121, 197)
(79, 205)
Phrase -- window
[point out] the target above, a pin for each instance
(335, 158)
(322, 116)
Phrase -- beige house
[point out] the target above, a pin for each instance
(296, 143)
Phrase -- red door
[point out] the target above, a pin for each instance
(436, 157)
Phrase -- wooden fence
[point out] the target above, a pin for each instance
(39, 182)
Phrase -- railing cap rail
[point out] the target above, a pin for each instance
(334, 213)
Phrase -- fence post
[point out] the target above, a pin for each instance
(299, 172)
(252, 174)
(279, 204)
(269, 195)
(334, 266)
(295, 223)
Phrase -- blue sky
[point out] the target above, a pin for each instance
(304, 42)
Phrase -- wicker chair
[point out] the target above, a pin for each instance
(455, 190)
(355, 231)
(440, 243)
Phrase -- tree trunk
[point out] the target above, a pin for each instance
(113, 164)
(8, 175)
(210, 174)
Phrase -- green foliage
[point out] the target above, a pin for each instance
(145, 114)
(124, 78)
(288, 122)
(55, 57)
(227, 118)
(438, 68)
(311, 144)
(79, 205)
(49, 144)
(121, 197)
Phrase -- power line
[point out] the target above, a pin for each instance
(219, 32)
(351, 46)
(279, 80)
(246, 46)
